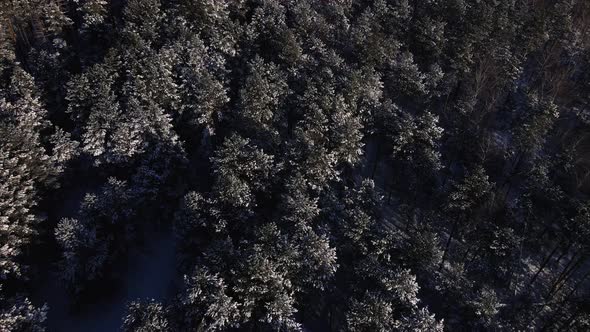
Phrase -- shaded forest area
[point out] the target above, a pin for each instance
(337, 165)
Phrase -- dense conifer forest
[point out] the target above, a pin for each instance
(334, 165)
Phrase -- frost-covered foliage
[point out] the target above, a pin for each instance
(99, 236)
(351, 165)
(18, 314)
(204, 303)
(146, 316)
(27, 167)
(241, 170)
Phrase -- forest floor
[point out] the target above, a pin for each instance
(150, 273)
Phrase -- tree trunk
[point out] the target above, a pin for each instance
(411, 219)
(466, 254)
(201, 326)
(448, 175)
(447, 245)
(577, 285)
(474, 255)
(544, 264)
(507, 192)
(574, 263)
(376, 162)
(565, 277)
(569, 321)
(516, 165)
(565, 251)
(513, 167)
(520, 250)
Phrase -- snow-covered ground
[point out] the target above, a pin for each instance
(150, 273)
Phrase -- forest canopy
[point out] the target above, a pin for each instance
(338, 165)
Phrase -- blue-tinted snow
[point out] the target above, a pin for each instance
(150, 273)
